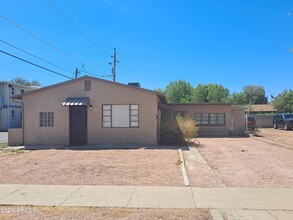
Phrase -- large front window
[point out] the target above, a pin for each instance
(210, 118)
(120, 116)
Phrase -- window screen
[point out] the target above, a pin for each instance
(210, 118)
(120, 116)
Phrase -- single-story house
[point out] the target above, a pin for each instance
(90, 110)
(262, 109)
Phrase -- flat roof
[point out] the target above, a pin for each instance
(201, 103)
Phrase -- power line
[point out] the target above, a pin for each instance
(86, 23)
(34, 36)
(41, 67)
(97, 33)
(46, 43)
(35, 56)
(125, 70)
(92, 74)
(69, 22)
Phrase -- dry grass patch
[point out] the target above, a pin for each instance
(54, 213)
(93, 167)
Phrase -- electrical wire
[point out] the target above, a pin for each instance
(126, 69)
(41, 67)
(69, 22)
(46, 43)
(87, 24)
(35, 56)
(89, 73)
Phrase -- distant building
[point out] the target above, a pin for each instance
(11, 110)
(262, 109)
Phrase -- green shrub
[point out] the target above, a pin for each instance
(176, 131)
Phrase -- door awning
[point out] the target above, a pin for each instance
(76, 101)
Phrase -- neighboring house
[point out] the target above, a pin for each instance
(263, 115)
(11, 110)
(262, 109)
(89, 110)
(213, 119)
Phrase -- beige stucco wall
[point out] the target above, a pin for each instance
(15, 137)
(210, 130)
(49, 100)
(237, 121)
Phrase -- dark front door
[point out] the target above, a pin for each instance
(78, 125)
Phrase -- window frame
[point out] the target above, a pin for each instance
(200, 123)
(46, 119)
(111, 115)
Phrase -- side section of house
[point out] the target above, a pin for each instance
(11, 110)
(89, 111)
(213, 119)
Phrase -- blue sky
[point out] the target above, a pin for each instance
(234, 42)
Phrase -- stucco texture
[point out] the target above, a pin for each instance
(234, 117)
(102, 92)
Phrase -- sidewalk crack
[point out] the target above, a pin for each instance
(193, 198)
(70, 195)
(131, 196)
(271, 214)
(13, 192)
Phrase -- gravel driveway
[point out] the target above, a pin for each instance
(247, 162)
(278, 135)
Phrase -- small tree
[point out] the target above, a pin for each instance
(217, 93)
(237, 98)
(25, 82)
(254, 95)
(211, 93)
(179, 92)
(159, 90)
(177, 130)
(248, 108)
(201, 93)
(284, 101)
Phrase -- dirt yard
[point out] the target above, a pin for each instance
(92, 167)
(278, 135)
(247, 162)
(28, 213)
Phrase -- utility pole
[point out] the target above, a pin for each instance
(76, 73)
(114, 66)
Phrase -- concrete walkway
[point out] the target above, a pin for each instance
(148, 197)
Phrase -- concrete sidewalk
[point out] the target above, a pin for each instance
(148, 197)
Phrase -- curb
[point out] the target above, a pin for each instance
(184, 173)
(274, 143)
(216, 214)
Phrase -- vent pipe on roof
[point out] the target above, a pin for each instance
(136, 84)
